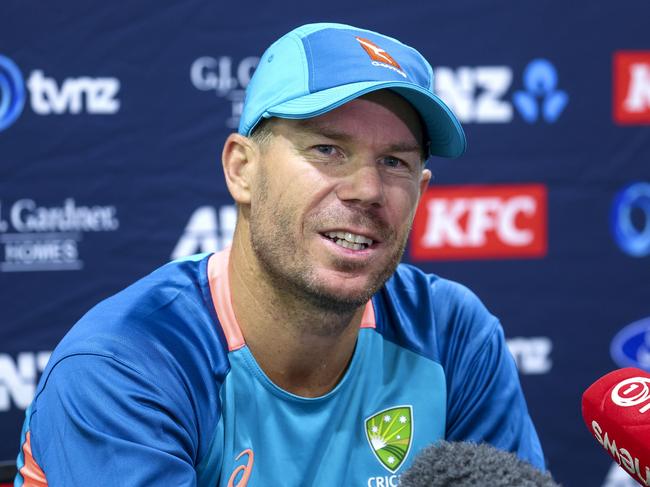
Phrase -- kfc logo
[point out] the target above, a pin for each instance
(632, 87)
(480, 222)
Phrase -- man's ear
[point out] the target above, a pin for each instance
(240, 158)
(424, 181)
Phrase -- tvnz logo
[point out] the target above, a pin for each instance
(12, 92)
(93, 96)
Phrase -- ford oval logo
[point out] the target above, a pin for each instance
(631, 346)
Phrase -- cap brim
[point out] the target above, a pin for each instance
(446, 135)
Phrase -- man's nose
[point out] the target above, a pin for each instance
(363, 185)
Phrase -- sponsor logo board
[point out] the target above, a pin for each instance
(488, 94)
(19, 376)
(209, 229)
(630, 219)
(227, 77)
(618, 477)
(476, 94)
(532, 354)
(49, 96)
(631, 71)
(36, 237)
(12, 92)
(480, 222)
(631, 345)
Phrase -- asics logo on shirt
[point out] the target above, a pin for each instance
(246, 469)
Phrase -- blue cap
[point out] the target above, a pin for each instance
(318, 67)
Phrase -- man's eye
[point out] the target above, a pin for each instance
(326, 150)
(393, 162)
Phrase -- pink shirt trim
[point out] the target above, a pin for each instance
(222, 302)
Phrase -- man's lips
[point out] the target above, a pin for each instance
(353, 234)
(344, 247)
(350, 242)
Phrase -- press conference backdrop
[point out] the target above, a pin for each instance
(113, 115)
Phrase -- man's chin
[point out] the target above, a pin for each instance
(343, 294)
(338, 303)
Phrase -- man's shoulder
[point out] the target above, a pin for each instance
(171, 290)
(411, 284)
(165, 318)
(183, 277)
(148, 355)
(430, 315)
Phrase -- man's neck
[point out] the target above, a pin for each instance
(302, 349)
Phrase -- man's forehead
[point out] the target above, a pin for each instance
(337, 132)
(337, 125)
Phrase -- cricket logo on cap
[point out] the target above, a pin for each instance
(379, 56)
(389, 434)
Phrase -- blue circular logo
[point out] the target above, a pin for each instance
(631, 346)
(12, 92)
(633, 239)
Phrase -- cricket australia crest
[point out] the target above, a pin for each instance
(389, 434)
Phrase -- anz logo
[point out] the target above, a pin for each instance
(209, 229)
(481, 94)
(19, 376)
(541, 98)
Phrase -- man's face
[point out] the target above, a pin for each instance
(334, 198)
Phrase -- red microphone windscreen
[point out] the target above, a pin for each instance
(616, 409)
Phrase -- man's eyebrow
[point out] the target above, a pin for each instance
(311, 126)
(404, 147)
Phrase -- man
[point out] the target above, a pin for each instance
(300, 356)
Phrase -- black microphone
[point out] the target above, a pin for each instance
(461, 464)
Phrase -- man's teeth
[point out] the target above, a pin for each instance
(350, 240)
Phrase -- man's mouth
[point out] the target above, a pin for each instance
(349, 240)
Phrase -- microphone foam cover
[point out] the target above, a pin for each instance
(463, 464)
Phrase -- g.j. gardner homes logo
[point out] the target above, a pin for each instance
(389, 434)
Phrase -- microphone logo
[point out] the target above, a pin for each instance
(12, 92)
(632, 392)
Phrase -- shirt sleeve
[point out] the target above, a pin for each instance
(97, 421)
(485, 401)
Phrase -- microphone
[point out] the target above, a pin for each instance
(616, 409)
(461, 464)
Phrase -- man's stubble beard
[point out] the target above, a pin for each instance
(293, 275)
